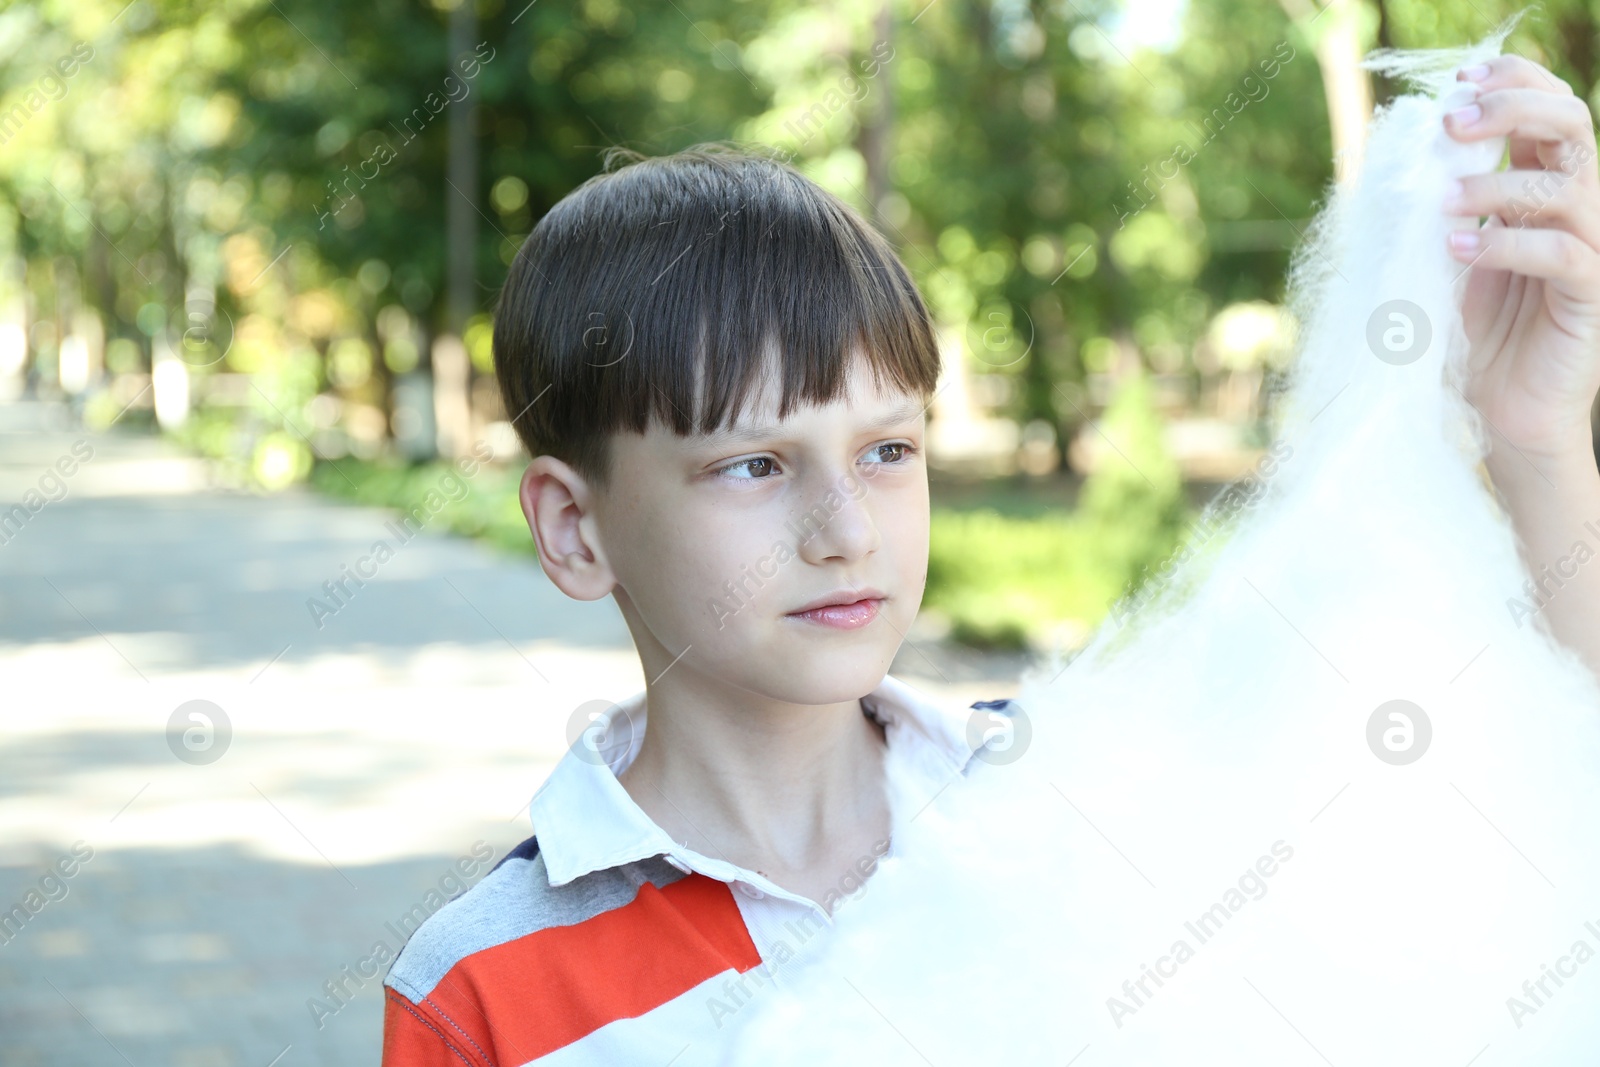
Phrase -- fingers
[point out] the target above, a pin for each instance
(1513, 71)
(1529, 113)
(1544, 121)
(1544, 214)
(1533, 197)
(1539, 253)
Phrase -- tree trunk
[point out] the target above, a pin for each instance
(452, 371)
(1347, 87)
(1382, 93)
(876, 128)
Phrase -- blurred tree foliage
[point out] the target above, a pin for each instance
(257, 192)
(1037, 175)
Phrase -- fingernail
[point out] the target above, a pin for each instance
(1454, 195)
(1466, 116)
(1464, 240)
(1475, 73)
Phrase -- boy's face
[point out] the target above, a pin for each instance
(717, 542)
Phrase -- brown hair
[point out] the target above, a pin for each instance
(655, 290)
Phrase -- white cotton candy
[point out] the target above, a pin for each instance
(1223, 732)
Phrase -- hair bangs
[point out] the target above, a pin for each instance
(678, 288)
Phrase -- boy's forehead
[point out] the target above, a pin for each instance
(861, 403)
(862, 409)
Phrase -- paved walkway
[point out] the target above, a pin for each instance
(238, 910)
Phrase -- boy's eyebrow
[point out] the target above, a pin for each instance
(734, 434)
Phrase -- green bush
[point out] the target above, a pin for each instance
(1002, 579)
(489, 510)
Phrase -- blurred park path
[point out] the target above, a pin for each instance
(233, 901)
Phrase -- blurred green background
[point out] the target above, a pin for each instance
(273, 229)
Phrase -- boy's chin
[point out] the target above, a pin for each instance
(822, 675)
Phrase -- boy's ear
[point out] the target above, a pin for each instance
(556, 501)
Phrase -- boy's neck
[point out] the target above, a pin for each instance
(791, 791)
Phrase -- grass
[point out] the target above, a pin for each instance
(1002, 580)
(483, 506)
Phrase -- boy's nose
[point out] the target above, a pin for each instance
(837, 524)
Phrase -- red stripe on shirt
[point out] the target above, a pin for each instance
(552, 987)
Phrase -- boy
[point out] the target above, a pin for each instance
(722, 374)
(720, 354)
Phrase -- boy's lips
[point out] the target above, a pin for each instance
(843, 611)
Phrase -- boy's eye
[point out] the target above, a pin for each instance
(905, 451)
(753, 463)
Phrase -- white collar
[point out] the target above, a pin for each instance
(585, 821)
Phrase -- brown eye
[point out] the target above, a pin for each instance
(903, 452)
(751, 464)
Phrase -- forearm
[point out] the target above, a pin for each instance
(1554, 503)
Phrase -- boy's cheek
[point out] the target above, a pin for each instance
(685, 568)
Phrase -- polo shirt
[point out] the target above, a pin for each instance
(601, 940)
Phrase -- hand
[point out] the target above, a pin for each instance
(1532, 303)
(1532, 317)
